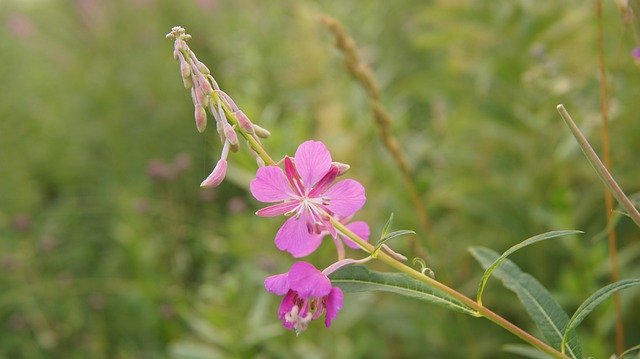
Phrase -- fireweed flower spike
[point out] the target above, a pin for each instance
(307, 295)
(306, 192)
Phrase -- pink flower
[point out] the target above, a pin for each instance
(307, 190)
(307, 295)
(360, 228)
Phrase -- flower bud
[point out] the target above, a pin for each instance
(201, 118)
(202, 68)
(185, 70)
(186, 81)
(204, 84)
(230, 135)
(261, 132)
(201, 97)
(244, 122)
(342, 167)
(217, 175)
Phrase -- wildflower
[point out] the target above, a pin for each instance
(307, 192)
(307, 295)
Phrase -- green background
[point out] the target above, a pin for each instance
(109, 249)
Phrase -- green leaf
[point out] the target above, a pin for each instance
(361, 279)
(526, 242)
(392, 235)
(594, 300)
(537, 301)
(387, 226)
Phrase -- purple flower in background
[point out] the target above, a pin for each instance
(635, 53)
(307, 295)
(307, 191)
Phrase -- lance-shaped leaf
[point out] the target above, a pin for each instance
(526, 242)
(593, 301)
(361, 279)
(545, 311)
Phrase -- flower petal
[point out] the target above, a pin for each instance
(361, 228)
(287, 303)
(312, 161)
(277, 284)
(277, 209)
(270, 185)
(345, 197)
(308, 281)
(294, 237)
(333, 305)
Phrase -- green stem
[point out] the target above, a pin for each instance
(384, 257)
(482, 311)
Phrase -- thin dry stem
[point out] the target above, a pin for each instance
(361, 71)
(608, 198)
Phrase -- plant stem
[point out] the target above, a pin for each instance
(482, 311)
(600, 168)
(608, 199)
(394, 263)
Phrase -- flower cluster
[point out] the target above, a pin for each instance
(307, 189)
(206, 93)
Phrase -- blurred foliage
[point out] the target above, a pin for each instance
(108, 248)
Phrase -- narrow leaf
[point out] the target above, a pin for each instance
(545, 311)
(361, 279)
(387, 226)
(600, 168)
(526, 242)
(392, 235)
(594, 300)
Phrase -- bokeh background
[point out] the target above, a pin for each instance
(109, 249)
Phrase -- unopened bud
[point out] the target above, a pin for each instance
(244, 122)
(217, 175)
(201, 97)
(342, 167)
(230, 134)
(220, 129)
(204, 69)
(185, 70)
(204, 84)
(186, 81)
(201, 118)
(261, 132)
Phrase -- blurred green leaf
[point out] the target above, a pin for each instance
(361, 279)
(526, 242)
(526, 351)
(540, 305)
